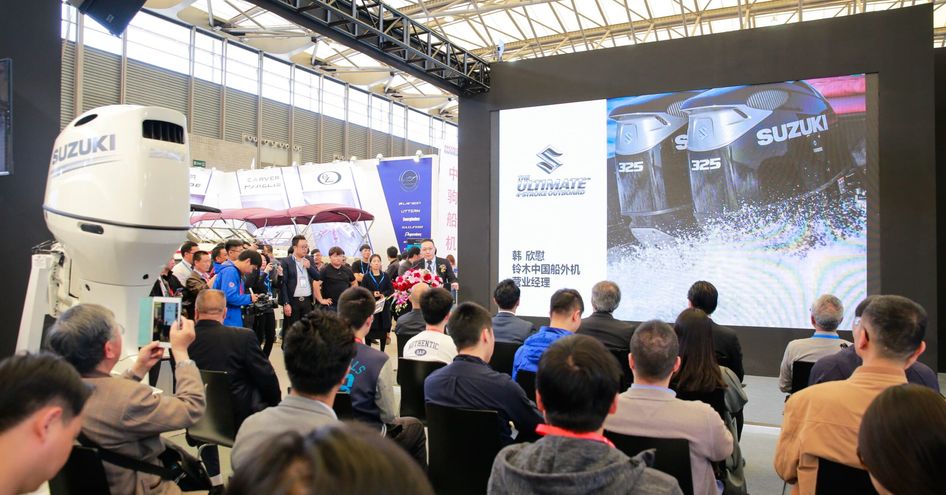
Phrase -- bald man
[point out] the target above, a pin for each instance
(411, 323)
(236, 351)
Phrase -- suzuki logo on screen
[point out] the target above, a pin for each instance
(330, 178)
(549, 157)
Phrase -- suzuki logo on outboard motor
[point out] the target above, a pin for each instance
(549, 158)
(792, 130)
(83, 147)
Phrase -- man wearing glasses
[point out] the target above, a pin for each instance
(300, 283)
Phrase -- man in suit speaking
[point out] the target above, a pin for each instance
(300, 283)
(436, 264)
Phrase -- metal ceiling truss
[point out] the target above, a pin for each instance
(391, 37)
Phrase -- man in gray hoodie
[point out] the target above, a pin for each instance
(576, 388)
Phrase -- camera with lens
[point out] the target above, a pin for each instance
(264, 302)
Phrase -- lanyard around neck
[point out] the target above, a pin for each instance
(376, 282)
(549, 430)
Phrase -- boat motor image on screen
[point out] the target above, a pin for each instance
(760, 145)
(650, 164)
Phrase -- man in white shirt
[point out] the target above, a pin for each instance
(300, 282)
(183, 268)
(827, 312)
(433, 344)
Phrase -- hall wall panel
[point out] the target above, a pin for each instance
(101, 84)
(30, 35)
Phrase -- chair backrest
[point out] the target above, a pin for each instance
(839, 479)
(801, 371)
(672, 455)
(82, 474)
(217, 425)
(526, 380)
(716, 399)
(627, 376)
(401, 341)
(461, 441)
(410, 376)
(503, 355)
(342, 407)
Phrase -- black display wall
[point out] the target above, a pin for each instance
(896, 45)
(940, 64)
(29, 34)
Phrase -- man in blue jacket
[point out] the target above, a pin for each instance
(565, 311)
(230, 281)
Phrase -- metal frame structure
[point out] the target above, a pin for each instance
(391, 37)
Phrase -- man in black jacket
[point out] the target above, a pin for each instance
(301, 283)
(613, 333)
(236, 351)
(703, 295)
(436, 265)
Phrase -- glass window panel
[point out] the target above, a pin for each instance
(158, 42)
(358, 107)
(69, 19)
(276, 80)
(418, 127)
(96, 36)
(242, 68)
(208, 58)
(307, 90)
(397, 119)
(380, 114)
(333, 99)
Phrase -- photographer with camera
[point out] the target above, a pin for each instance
(229, 279)
(259, 315)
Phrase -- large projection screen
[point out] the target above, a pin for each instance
(762, 189)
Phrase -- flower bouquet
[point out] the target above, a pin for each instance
(412, 277)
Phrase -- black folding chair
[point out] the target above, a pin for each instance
(342, 407)
(801, 372)
(627, 376)
(503, 355)
(82, 474)
(839, 479)
(462, 445)
(672, 455)
(217, 426)
(410, 376)
(526, 380)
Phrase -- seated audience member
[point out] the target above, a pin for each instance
(565, 310)
(412, 323)
(826, 315)
(318, 350)
(338, 459)
(650, 408)
(576, 388)
(507, 327)
(124, 415)
(470, 383)
(235, 351)
(703, 295)
(823, 420)
(840, 365)
(613, 333)
(41, 401)
(370, 381)
(433, 344)
(699, 372)
(902, 441)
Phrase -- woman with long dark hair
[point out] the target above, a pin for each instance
(902, 441)
(381, 287)
(699, 372)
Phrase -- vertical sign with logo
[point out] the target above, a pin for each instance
(407, 188)
(552, 200)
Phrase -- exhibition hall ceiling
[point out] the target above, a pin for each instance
(510, 30)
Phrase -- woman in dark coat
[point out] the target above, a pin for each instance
(380, 284)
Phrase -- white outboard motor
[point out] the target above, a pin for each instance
(117, 200)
